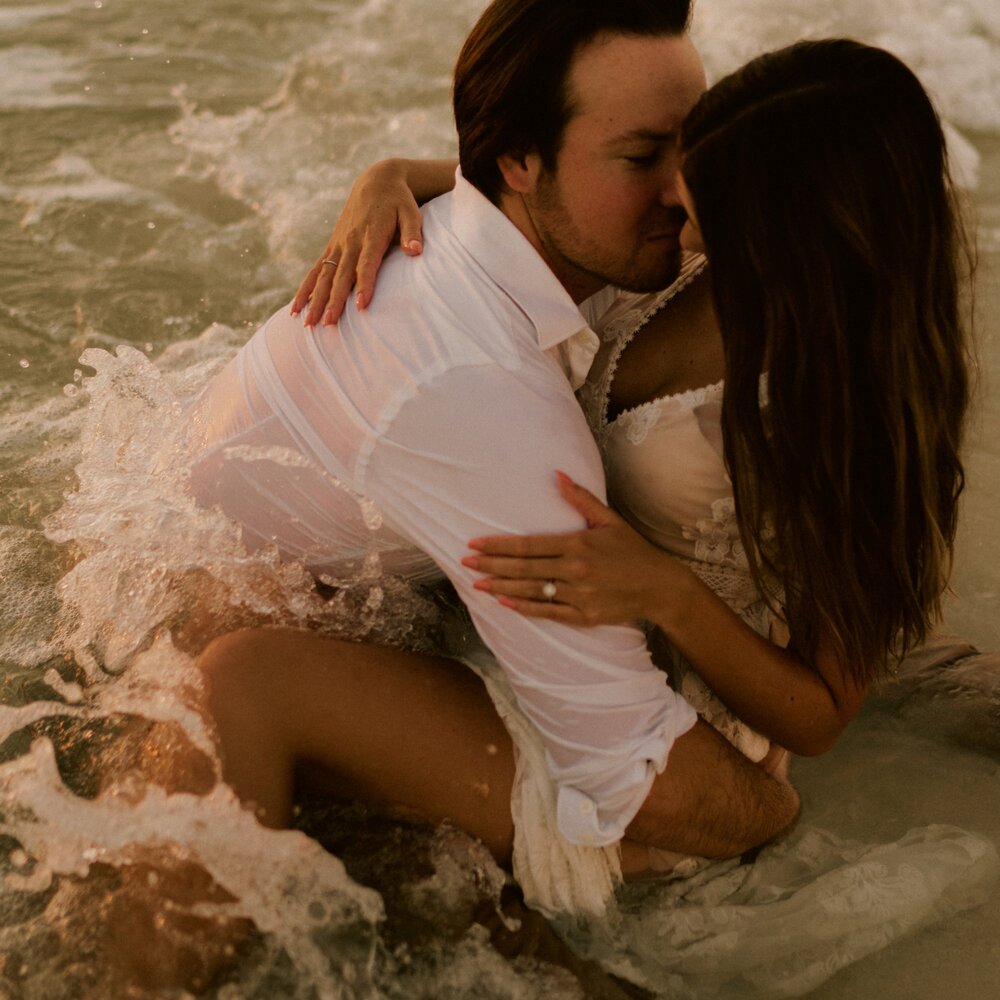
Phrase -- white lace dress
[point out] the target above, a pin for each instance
(666, 477)
(811, 903)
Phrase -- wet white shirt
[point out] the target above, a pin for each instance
(439, 414)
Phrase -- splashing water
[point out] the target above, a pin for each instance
(204, 201)
(155, 577)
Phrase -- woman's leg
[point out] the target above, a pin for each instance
(368, 723)
(377, 724)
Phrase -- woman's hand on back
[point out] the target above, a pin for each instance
(380, 205)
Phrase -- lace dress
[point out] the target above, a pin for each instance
(812, 903)
(665, 474)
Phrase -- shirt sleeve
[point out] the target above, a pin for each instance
(474, 452)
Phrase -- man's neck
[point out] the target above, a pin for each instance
(579, 284)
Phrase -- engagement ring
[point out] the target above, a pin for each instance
(549, 590)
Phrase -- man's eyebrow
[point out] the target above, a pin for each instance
(644, 135)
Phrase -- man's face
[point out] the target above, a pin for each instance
(610, 211)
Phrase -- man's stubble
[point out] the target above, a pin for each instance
(575, 258)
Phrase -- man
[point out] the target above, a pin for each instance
(441, 414)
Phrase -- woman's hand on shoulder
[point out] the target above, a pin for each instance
(380, 205)
(607, 574)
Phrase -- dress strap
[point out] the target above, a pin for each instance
(626, 328)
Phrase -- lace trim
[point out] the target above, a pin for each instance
(626, 336)
(638, 315)
(717, 538)
(640, 419)
(733, 585)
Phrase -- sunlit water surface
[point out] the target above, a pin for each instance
(169, 171)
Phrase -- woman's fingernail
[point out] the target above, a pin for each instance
(359, 301)
(328, 318)
(482, 585)
(413, 246)
(472, 562)
(507, 602)
(476, 543)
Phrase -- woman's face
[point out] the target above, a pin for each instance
(690, 237)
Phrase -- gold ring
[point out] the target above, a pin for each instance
(332, 263)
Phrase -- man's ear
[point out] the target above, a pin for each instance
(520, 173)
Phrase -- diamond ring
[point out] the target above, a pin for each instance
(549, 590)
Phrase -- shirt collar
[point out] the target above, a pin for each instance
(504, 252)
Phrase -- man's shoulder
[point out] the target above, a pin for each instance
(446, 291)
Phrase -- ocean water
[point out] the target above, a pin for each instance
(169, 171)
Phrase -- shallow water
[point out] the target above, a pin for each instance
(169, 172)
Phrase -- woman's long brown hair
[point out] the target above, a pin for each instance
(820, 180)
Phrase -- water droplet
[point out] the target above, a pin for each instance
(371, 514)
(24, 363)
(145, 31)
(150, 225)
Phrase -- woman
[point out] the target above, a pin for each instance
(794, 467)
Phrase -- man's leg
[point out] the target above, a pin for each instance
(712, 801)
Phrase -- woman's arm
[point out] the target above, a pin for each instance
(384, 200)
(804, 706)
(610, 574)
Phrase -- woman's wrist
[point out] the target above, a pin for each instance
(672, 596)
(386, 174)
(426, 179)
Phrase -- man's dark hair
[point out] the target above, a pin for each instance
(510, 92)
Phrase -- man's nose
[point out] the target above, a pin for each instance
(669, 188)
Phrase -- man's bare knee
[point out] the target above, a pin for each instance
(712, 801)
